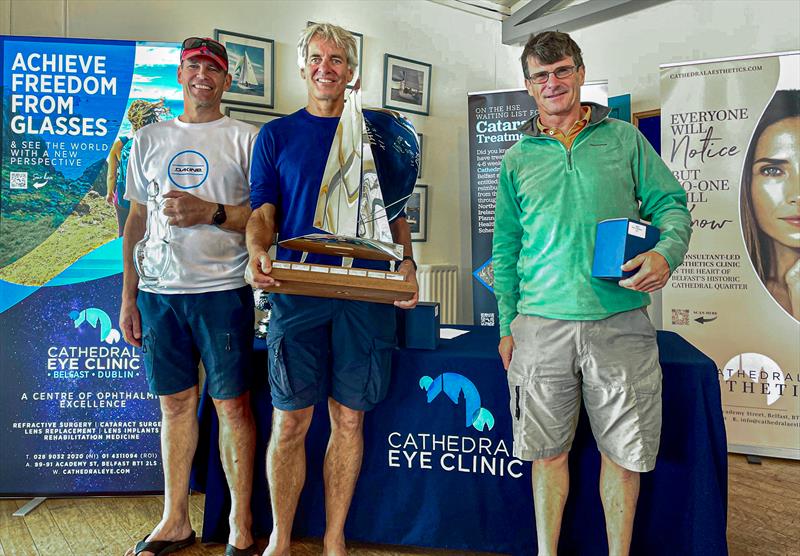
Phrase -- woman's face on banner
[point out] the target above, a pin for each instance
(775, 182)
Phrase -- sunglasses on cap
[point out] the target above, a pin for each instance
(198, 42)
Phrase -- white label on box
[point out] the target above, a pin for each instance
(381, 275)
(279, 264)
(338, 270)
(356, 272)
(393, 276)
(436, 311)
(322, 269)
(298, 266)
(636, 229)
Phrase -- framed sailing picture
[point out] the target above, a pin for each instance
(251, 63)
(406, 85)
(417, 213)
(254, 117)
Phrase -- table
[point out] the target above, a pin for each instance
(430, 478)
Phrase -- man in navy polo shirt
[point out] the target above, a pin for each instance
(319, 348)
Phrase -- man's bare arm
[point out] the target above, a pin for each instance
(259, 236)
(184, 209)
(401, 234)
(130, 322)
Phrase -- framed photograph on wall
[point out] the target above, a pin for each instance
(254, 117)
(417, 213)
(251, 63)
(419, 171)
(360, 49)
(406, 85)
(649, 123)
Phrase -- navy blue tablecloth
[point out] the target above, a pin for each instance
(439, 473)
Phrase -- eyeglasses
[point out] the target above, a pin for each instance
(541, 77)
(196, 42)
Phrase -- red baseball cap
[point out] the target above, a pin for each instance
(197, 46)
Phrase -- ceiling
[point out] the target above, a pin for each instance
(492, 9)
(499, 9)
(522, 18)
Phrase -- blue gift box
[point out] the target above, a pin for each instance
(619, 240)
(418, 328)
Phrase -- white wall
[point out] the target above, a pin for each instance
(464, 49)
(5, 17)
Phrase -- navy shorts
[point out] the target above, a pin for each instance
(329, 347)
(180, 329)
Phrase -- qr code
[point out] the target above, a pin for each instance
(680, 317)
(487, 319)
(19, 180)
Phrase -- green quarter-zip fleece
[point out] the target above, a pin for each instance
(549, 201)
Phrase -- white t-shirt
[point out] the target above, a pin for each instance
(211, 161)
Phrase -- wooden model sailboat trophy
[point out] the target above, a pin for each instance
(368, 178)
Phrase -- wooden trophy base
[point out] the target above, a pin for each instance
(358, 284)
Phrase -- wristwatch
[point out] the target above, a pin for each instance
(410, 258)
(219, 217)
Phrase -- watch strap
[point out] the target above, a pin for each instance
(219, 217)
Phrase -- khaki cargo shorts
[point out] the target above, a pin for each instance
(612, 363)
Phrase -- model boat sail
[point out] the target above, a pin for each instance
(245, 74)
(369, 175)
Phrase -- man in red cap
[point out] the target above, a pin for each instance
(188, 301)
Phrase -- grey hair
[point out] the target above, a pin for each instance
(328, 32)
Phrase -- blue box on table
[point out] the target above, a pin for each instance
(418, 328)
(619, 240)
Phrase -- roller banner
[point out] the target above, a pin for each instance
(76, 416)
(730, 132)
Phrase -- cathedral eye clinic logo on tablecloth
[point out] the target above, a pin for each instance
(483, 455)
(455, 386)
(188, 169)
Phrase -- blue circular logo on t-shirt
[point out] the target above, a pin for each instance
(188, 169)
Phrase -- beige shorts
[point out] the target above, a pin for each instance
(612, 362)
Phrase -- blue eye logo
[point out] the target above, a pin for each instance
(485, 275)
(456, 386)
(96, 318)
(188, 169)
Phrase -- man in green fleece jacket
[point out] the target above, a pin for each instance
(566, 335)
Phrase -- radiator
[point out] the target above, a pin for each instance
(440, 283)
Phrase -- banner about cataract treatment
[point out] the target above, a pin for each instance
(493, 121)
(75, 413)
(730, 132)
